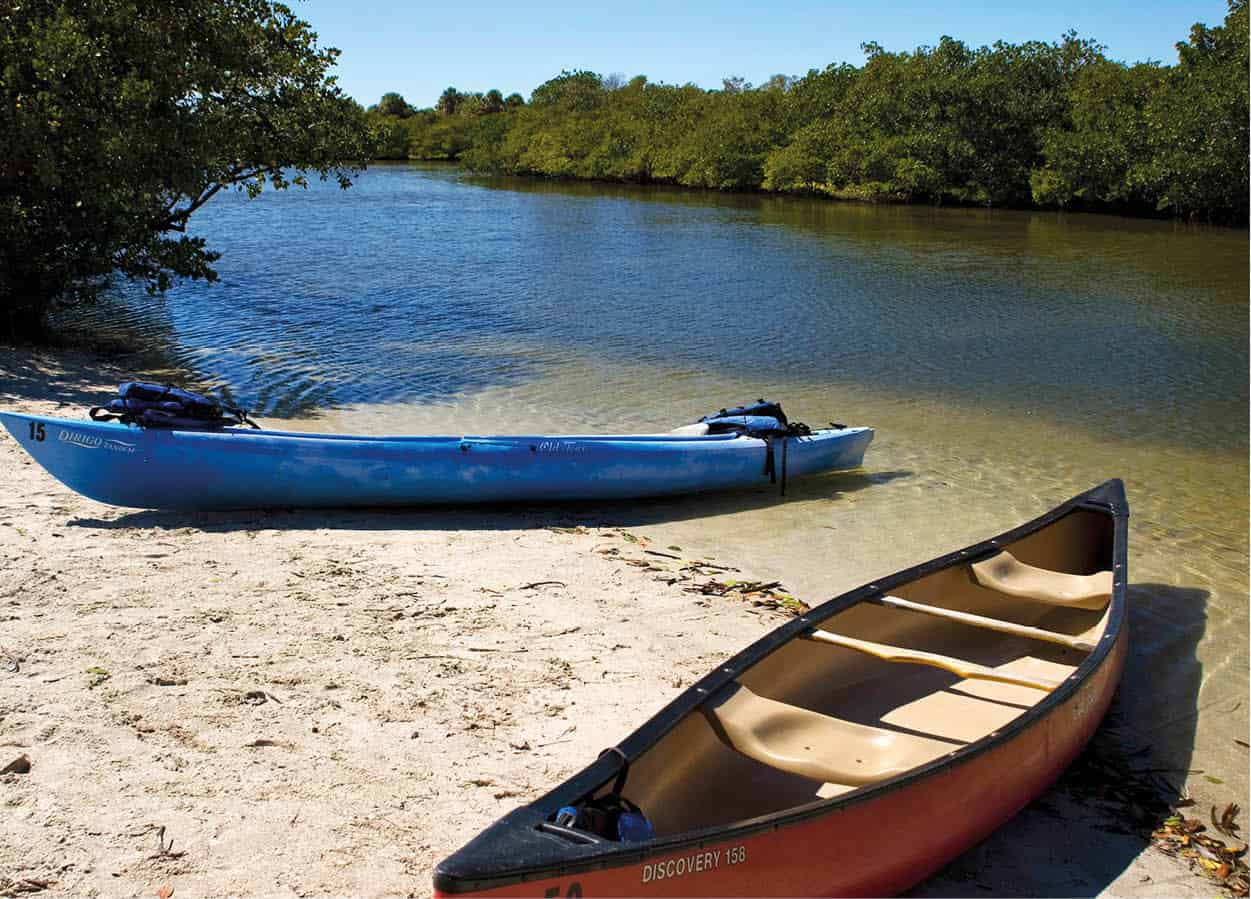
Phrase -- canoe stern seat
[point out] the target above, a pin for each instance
(812, 745)
(1007, 574)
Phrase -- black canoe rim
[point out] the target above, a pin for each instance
(477, 865)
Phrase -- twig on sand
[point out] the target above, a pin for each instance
(494, 649)
(568, 730)
(165, 850)
(702, 563)
(25, 885)
(535, 584)
(560, 633)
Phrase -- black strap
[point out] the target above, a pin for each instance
(769, 468)
(785, 444)
(619, 783)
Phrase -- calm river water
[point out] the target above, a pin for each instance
(1008, 360)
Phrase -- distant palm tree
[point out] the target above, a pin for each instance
(449, 102)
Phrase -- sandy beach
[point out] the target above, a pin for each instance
(328, 703)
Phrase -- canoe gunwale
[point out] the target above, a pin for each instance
(1107, 498)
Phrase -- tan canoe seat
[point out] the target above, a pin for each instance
(1007, 574)
(812, 745)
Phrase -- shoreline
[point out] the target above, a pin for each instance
(845, 198)
(322, 703)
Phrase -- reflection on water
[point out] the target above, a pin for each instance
(1008, 360)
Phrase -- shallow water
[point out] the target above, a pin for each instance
(1008, 360)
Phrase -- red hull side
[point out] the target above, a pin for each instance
(936, 818)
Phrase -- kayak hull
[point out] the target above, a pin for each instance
(125, 465)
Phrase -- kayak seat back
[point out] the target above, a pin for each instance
(812, 745)
(1006, 573)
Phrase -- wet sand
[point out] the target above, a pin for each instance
(327, 703)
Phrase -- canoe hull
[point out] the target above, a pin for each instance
(879, 846)
(730, 787)
(142, 468)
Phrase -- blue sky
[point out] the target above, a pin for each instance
(419, 49)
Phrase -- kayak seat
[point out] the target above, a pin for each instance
(1007, 574)
(812, 745)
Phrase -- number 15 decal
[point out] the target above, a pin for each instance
(36, 431)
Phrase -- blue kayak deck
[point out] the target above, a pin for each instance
(236, 468)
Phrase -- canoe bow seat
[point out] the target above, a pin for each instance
(1007, 574)
(812, 745)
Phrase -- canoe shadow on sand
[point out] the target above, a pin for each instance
(1083, 833)
(510, 516)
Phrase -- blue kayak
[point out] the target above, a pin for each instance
(232, 468)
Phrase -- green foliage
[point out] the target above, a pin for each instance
(119, 118)
(1151, 138)
(1046, 124)
(393, 104)
(458, 123)
(1197, 125)
(570, 92)
(449, 102)
(1094, 155)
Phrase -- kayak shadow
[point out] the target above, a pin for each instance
(509, 516)
(1085, 832)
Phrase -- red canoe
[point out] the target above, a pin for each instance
(855, 750)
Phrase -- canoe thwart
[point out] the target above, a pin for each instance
(965, 669)
(1007, 574)
(1084, 642)
(812, 745)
